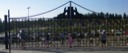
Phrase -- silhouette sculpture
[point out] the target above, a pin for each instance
(66, 14)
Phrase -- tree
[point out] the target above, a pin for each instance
(1, 26)
(124, 16)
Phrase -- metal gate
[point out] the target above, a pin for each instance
(31, 33)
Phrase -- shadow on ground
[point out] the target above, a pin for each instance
(3, 52)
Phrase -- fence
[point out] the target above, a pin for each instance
(85, 32)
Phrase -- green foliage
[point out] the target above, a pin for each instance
(1, 26)
(61, 25)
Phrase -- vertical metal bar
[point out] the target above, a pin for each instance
(52, 23)
(9, 31)
(6, 33)
(67, 30)
(114, 34)
(37, 38)
(94, 38)
(80, 39)
(116, 42)
(122, 31)
(28, 23)
(16, 25)
(70, 16)
(86, 21)
(90, 32)
(42, 41)
(122, 22)
(83, 33)
(54, 31)
(70, 8)
(50, 31)
(13, 31)
(125, 32)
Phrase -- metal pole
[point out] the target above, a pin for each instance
(70, 15)
(70, 9)
(6, 33)
(9, 31)
(28, 18)
(28, 12)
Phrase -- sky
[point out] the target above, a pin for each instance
(18, 8)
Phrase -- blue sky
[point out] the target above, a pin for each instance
(18, 8)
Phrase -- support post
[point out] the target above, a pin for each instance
(9, 31)
(70, 21)
(70, 9)
(6, 32)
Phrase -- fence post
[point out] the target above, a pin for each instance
(6, 32)
(9, 31)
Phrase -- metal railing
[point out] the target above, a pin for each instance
(85, 32)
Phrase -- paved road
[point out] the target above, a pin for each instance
(22, 51)
(69, 50)
(100, 52)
